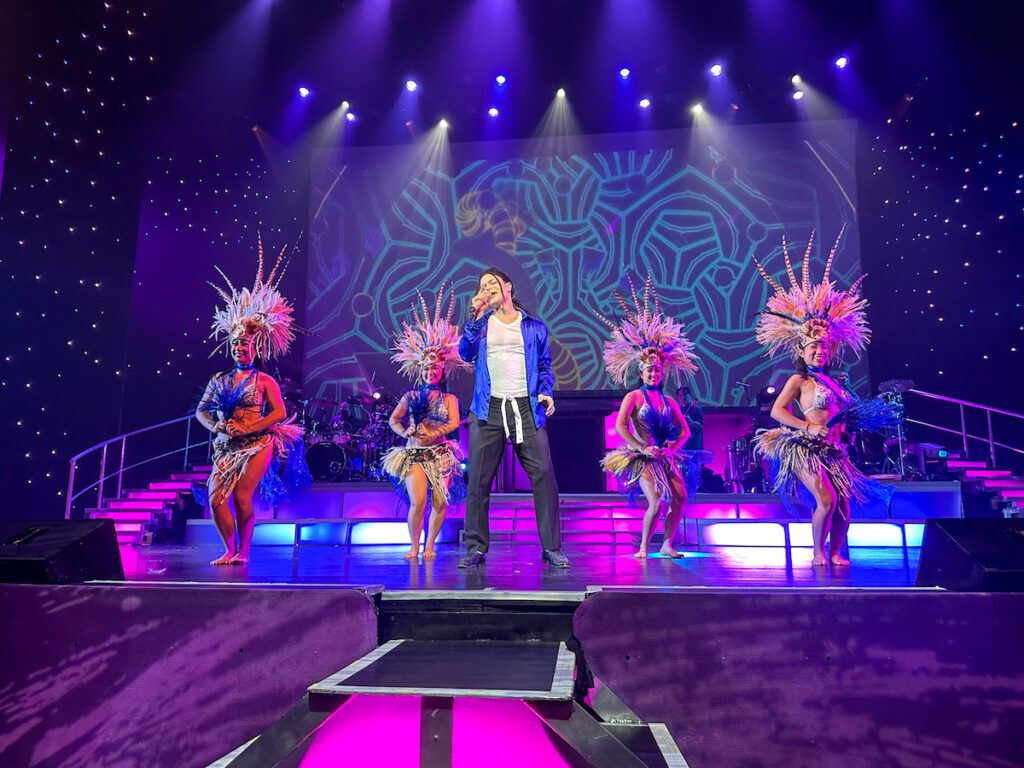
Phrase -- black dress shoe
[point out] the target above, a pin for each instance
(471, 559)
(555, 558)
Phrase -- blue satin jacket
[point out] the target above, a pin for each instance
(540, 378)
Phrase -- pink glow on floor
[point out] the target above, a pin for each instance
(480, 724)
(369, 730)
(384, 730)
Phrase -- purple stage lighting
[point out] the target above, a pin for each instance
(842, 62)
(493, 111)
(304, 91)
(350, 117)
(410, 85)
(797, 95)
(624, 73)
(644, 103)
(716, 70)
(500, 80)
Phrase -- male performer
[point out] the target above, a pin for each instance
(511, 401)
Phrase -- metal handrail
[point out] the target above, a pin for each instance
(119, 473)
(964, 435)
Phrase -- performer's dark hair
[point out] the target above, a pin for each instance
(506, 279)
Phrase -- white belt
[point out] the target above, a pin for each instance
(517, 419)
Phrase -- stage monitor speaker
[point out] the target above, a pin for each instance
(58, 551)
(973, 555)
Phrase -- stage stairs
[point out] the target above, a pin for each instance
(997, 489)
(515, 649)
(142, 514)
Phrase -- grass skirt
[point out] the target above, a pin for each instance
(231, 457)
(628, 464)
(439, 462)
(789, 451)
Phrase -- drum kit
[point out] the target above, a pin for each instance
(344, 441)
(873, 453)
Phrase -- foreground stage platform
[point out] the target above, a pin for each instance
(517, 567)
(162, 674)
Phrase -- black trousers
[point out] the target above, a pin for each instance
(486, 445)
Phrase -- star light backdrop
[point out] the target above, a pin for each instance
(102, 97)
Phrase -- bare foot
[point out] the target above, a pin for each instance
(667, 551)
(224, 559)
(238, 559)
(819, 559)
(412, 554)
(428, 553)
(641, 554)
(838, 559)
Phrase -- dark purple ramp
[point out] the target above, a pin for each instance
(846, 678)
(96, 676)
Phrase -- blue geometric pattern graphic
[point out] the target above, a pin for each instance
(689, 210)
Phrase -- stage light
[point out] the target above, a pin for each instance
(377, 394)
(716, 70)
(697, 109)
(795, 80)
(770, 389)
(797, 95)
(304, 91)
(500, 79)
(841, 62)
(560, 93)
(624, 73)
(443, 123)
(410, 85)
(493, 111)
(644, 103)
(350, 117)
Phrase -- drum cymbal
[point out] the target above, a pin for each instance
(896, 386)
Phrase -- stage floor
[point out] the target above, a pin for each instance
(518, 567)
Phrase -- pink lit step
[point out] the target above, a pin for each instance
(171, 485)
(128, 527)
(976, 474)
(1005, 482)
(121, 515)
(965, 464)
(155, 504)
(1012, 493)
(190, 475)
(153, 495)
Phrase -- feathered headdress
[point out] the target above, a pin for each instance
(643, 335)
(794, 318)
(428, 339)
(260, 312)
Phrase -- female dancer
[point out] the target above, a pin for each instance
(814, 323)
(428, 463)
(244, 409)
(651, 456)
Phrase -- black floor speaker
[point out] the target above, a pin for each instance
(58, 551)
(973, 555)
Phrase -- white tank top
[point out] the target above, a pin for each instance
(506, 357)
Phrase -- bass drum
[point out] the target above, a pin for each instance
(328, 462)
